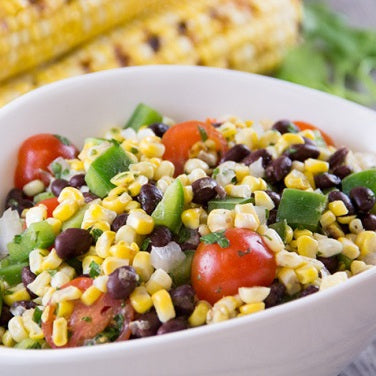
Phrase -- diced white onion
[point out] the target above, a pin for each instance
(10, 225)
(167, 257)
(256, 169)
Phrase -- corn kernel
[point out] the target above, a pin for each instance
(88, 260)
(117, 203)
(329, 247)
(263, 199)
(34, 330)
(142, 265)
(345, 220)
(307, 246)
(143, 168)
(100, 283)
(71, 194)
(151, 147)
(288, 259)
(195, 163)
(55, 224)
(250, 308)
(191, 218)
(90, 296)
(241, 190)
(104, 242)
(159, 280)
(366, 241)
(36, 214)
(350, 249)
(220, 219)
(141, 222)
(289, 279)
(338, 208)
(127, 234)
(166, 168)
(110, 264)
(297, 180)
(67, 293)
(359, 267)
(356, 226)
(273, 240)
(16, 329)
(307, 274)
(140, 300)
(36, 260)
(333, 280)
(65, 210)
(198, 316)
(52, 261)
(298, 233)
(97, 213)
(163, 305)
(60, 332)
(253, 294)
(327, 218)
(123, 250)
(315, 166)
(64, 309)
(7, 339)
(48, 295)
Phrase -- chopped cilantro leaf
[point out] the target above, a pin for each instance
(96, 233)
(203, 134)
(63, 139)
(216, 237)
(145, 244)
(87, 319)
(215, 172)
(94, 269)
(56, 169)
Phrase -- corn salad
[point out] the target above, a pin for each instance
(158, 227)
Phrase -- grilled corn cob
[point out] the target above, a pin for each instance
(249, 35)
(33, 32)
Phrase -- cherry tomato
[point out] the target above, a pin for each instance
(86, 322)
(36, 153)
(303, 125)
(180, 138)
(246, 262)
(51, 204)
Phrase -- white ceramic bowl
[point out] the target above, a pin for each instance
(317, 335)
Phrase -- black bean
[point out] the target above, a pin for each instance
(146, 325)
(256, 155)
(204, 190)
(285, 126)
(88, 196)
(154, 42)
(160, 236)
(278, 169)
(237, 153)
(159, 129)
(121, 282)
(309, 290)
(221, 193)
(331, 263)
(277, 292)
(369, 222)
(27, 277)
(119, 221)
(16, 200)
(338, 158)
(276, 197)
(58, 185)
(340, 196)
(342, 171)
(192, 241)
(5, 316)
(149, 197)
(173, 325)
(363, 198)
(77, 181)
(301, 152)
(183, 298)
(326, 180)
(73, 242)
(272, 218)
(19, 307)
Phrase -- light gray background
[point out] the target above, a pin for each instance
(360, 13)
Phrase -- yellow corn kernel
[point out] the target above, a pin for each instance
(117, 203)
(203, 230)
(288, 259)
(250, 308)
(17, 329)
(253, 294)
(359, 267)
(159, 280)
(307, 274)
(36, 214)
(2, 331)
(143, 168)
(52, 261)
(142, 265)
(17, 294)
(100, 283)
(104, 242)
(163, 305)
(273, 240)
(307, 246)
(97, 213)
(48, 295)
(298, 233)
(123, 179)
(55, 224)
(241, 172)
(141, 222)
(110, 264)
(366, 241)
(288, 277)
(191, 218)
(327, 218)
(71, 194)
(356, 226)
(86, 262)
(152, 147)
(67, 293)
(65, 210)
(127, 234)
(246, 217)
(333, 280)
(246, 136)
(166, 168)
(198, 316)
(297, 180)
(308, 134)
(255, 184)
(316, 166)
(7, 339)
(195, 164)
(263, 199)
(334, 230)
(220, 219)
(123, 250)
(40, 284)
(350, 249)
(286, 140)
(135, 188)
(240, 190)
(345, 220)
(311, 179)
(117, 191)
(229, 131)
(270, 137)
(140, 300)
(132, 205)
(338, 208)
(217, 315)
(33, 329)
(76, 165)
(60, 331)
(64, 309)
(188, 194)
(90, 296)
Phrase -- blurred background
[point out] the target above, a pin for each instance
(329, 45)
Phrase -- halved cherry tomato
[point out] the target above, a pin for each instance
(87, 321)
(36, 153)
(303, 125)
(180, 138)
(246, 262)
(51, 204)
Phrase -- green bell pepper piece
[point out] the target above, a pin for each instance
(365, 178)
(143, 115)
(227, 203)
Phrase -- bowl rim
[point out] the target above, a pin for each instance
(80, 353)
